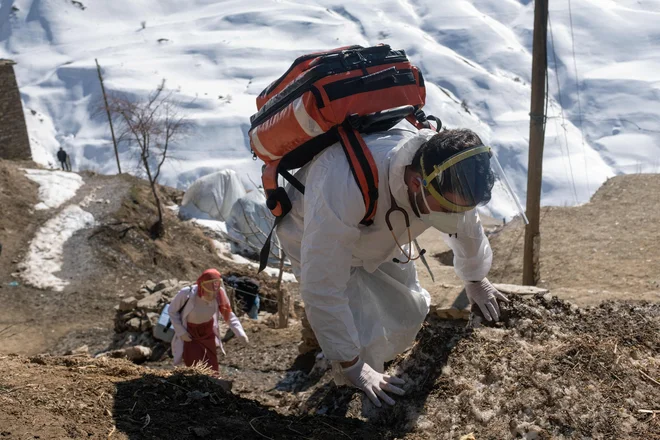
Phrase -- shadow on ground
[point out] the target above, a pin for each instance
(421, 367)
(190, 406)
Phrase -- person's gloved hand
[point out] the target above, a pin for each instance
(244, 339)
(373, 383)
(186, 337)
(483, 294)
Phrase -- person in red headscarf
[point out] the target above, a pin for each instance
(194, 313)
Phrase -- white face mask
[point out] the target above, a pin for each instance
(207, 297)
(208, 300)
(447, 222)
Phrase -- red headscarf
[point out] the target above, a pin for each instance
(223, 301)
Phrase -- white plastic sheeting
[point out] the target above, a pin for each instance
(211, 197)
(249, 223)
(220, 202)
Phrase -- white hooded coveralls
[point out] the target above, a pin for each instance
(357, 300)
(179, 320)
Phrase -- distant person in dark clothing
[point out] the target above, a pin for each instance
(64, 160)
(246, 292)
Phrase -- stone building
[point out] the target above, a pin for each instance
(14, 141)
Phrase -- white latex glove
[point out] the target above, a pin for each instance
(373, 383)
(485, 295)
(186, 337)
(244, 339)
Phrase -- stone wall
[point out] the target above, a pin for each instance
(14, 142)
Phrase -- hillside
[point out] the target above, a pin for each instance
(218, 56)
(94, 267)
(604, 249)
(550, 371)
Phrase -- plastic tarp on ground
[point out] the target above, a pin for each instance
(212, 197)
(249, 223)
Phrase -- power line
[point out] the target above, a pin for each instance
(619, 120)
(577, 87)
(561, 112)
(564, 156)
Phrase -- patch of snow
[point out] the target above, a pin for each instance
(92, 198)
(214, 225)
(222, 247)
(44, 258)
(55, 187)
(287, 277)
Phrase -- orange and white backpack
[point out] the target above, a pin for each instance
(330, 97)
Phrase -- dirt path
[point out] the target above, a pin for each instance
(18, 223)
(101, 264)
(38, 319)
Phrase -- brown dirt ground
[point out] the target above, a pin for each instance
(101, 264)
(73, 398)
(18, 223)
(549, 371)
(604, 249)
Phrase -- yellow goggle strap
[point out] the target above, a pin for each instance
(438, 169)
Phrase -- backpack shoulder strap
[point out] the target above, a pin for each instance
(187, 299)
(363, 167)
(169, 321)
(364, 170)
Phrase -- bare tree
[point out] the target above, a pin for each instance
(151, 126)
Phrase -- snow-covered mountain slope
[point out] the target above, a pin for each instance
(218, 55)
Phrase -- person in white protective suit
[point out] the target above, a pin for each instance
(195, 313)
(359, 283)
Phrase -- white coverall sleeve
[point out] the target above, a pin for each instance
(230, 318)
(175, 310)
(235, 325)
(333, 208)
(472, 253)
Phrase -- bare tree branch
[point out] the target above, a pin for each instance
(151, 126)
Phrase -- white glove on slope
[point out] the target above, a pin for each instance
(373, 383)
(485, 295)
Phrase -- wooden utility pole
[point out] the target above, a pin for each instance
(531, 273)
(107, 110)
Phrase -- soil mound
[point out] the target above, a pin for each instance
(550, 370)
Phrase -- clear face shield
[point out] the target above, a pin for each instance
(467, 180)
